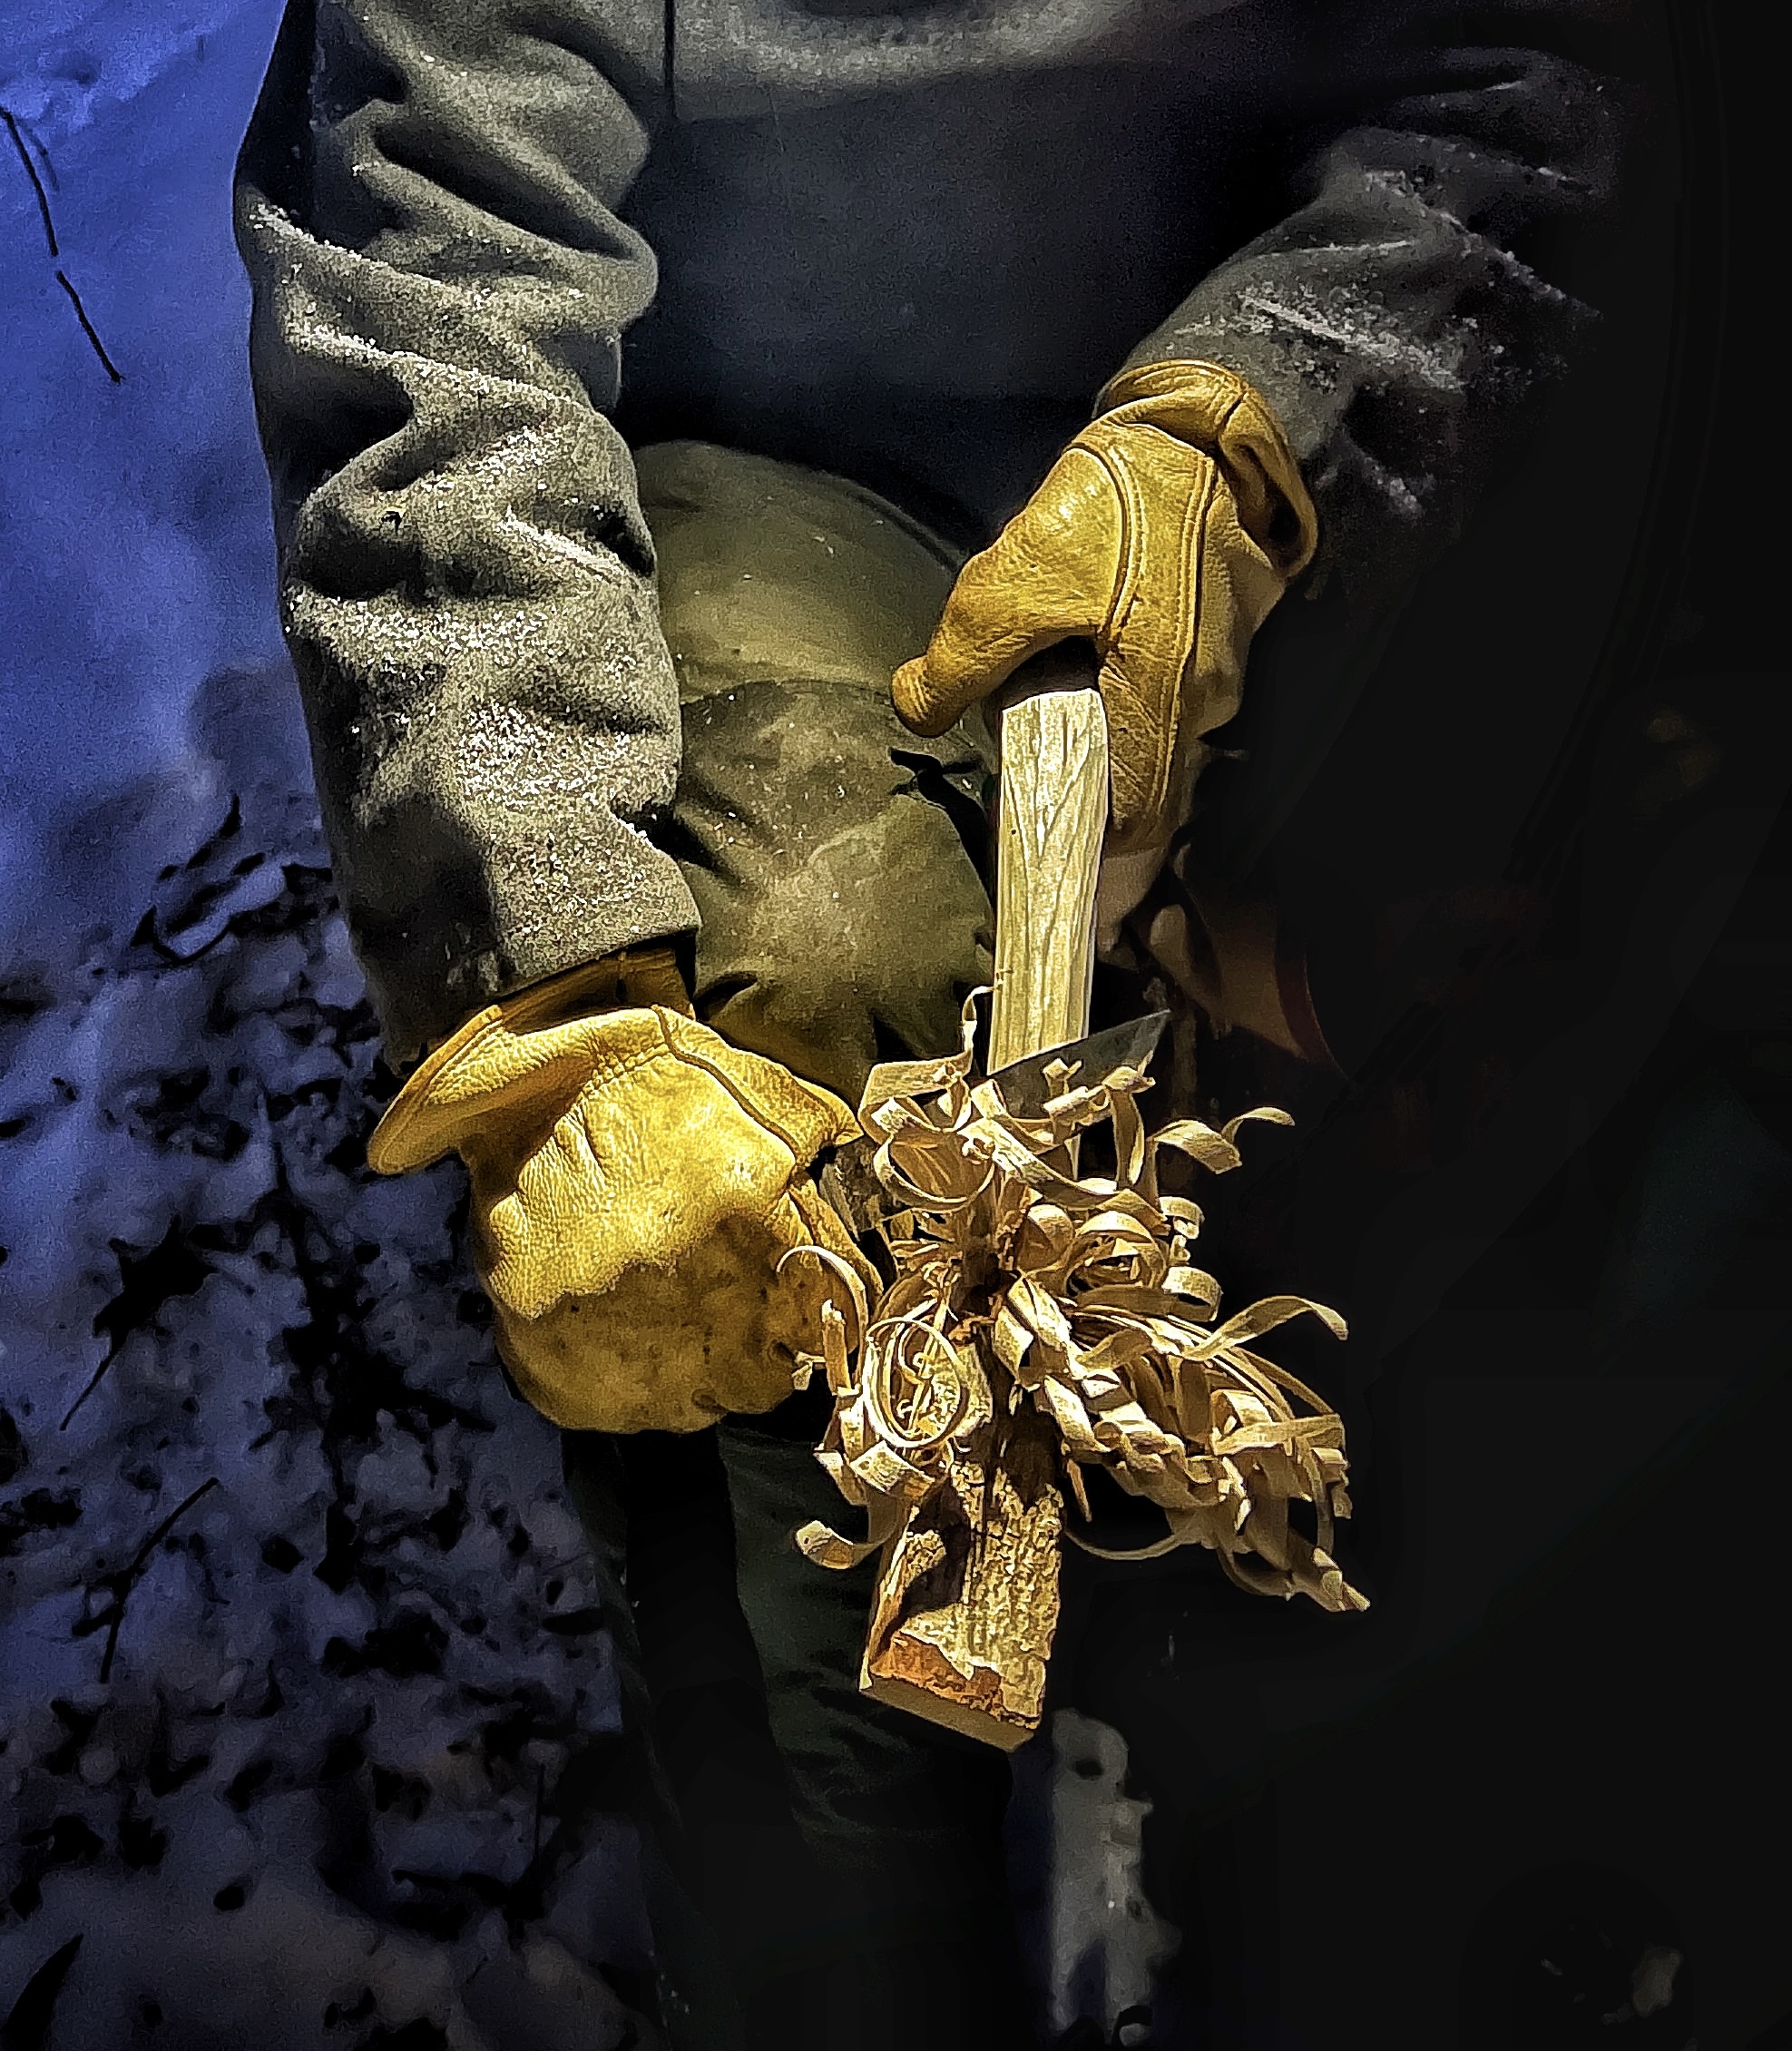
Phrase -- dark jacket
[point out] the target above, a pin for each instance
(909, 244)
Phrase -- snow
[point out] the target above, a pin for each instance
(285, 1735)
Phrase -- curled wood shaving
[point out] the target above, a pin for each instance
(1017, 1283)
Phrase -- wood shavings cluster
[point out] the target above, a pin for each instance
(1018, 1282)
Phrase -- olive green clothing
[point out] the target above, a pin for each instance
(821, 1874)
(493, 244)
(831, 854)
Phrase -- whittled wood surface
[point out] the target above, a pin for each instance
(1054, 810)
(969, 1604)
(967, 1596)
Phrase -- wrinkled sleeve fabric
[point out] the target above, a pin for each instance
(1399, 315)
(428, 208)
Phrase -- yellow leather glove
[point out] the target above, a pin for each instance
(1163, 533)
(635, 1182)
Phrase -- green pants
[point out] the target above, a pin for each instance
(820, 1871)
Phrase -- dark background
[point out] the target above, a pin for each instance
(323, 1761)
(1555, 1199)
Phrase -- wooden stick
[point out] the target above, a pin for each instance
(1054, 810)
(967, 1594)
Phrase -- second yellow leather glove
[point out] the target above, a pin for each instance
(1164, 534)
(635, 1182)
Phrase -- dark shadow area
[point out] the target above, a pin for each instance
(1544, 877)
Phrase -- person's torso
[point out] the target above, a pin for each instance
(913, 243)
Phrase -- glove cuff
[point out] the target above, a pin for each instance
(1215, 409)
(501, 1074)
(632, 978)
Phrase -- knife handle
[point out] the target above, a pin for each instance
(1054, 815)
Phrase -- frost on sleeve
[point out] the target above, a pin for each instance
(1398, 316)
(426, 206)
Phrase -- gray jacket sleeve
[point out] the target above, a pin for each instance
(1398, 313)
(427, 205)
